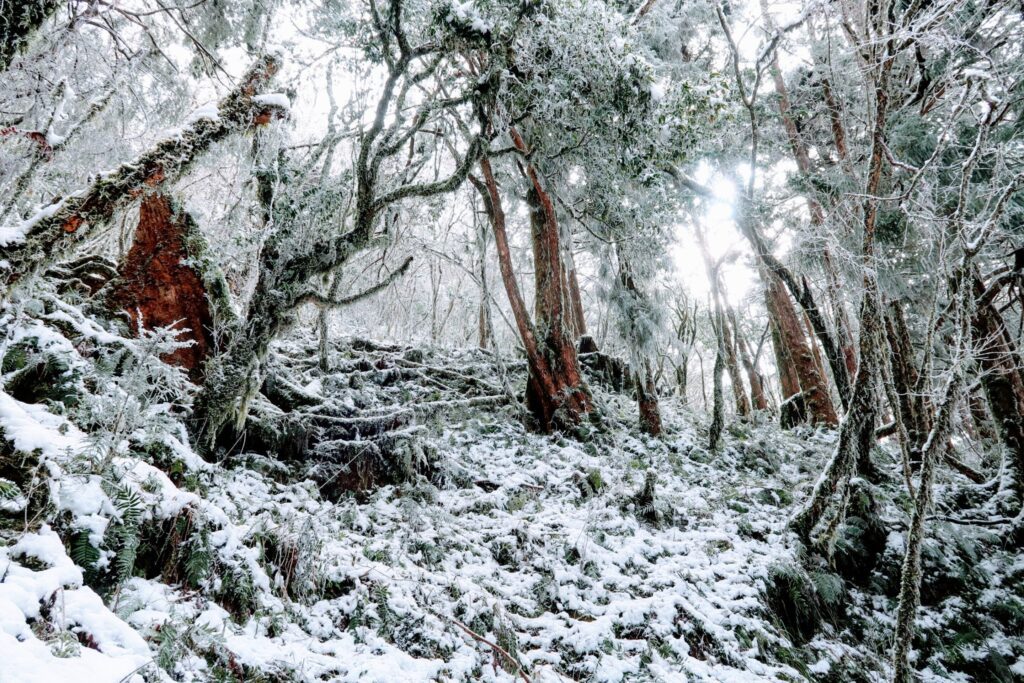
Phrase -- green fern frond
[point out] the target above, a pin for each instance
(9, 490)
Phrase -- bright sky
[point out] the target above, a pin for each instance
(716, 216)
(717, 219)
(723, 237)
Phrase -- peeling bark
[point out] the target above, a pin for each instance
(167, 280)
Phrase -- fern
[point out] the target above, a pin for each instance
(199, 559)
(125, 535)
(168, 646)
(238, 592)
(11, 497)
(64, 645)
(387, 619)
(83, 552)
(9, 490)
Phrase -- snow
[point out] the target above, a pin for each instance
(274, 99)
(208, 112)
(658, 91)
(33, 427)
(589, 589)
(119, 648)
(979, 74)
(467, 13)
(15, 234)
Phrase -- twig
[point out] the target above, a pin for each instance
(498, 649)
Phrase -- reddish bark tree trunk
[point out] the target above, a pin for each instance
(792, 349)
(157, 286)
(792, 410)
(647, 401)
(803, 162)
(556, 394)
(757, 393)
(579, 322)
(739, 392)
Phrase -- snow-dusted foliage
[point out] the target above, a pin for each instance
(536, 340)
(502, 554)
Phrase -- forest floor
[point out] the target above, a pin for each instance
(503, 556)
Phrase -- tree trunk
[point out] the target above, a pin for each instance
(682, 377)
(732, 364)
(323, 319)
(984, 428)
(811, 380)
(647, 400)
(168, 280)
(643, 379)
(841, 360)
(757, 393)
(914, 411)
(910, 579)
(792, 410)
(1002, 382)
(579, 322)
(556, 395)
(798, 355)
(718, 408)
(686, 334)
(857, 432)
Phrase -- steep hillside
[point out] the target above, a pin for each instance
(412, 530)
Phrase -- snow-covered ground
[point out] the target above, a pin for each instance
(512, 556)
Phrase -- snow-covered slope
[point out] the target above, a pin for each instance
(505, 556)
